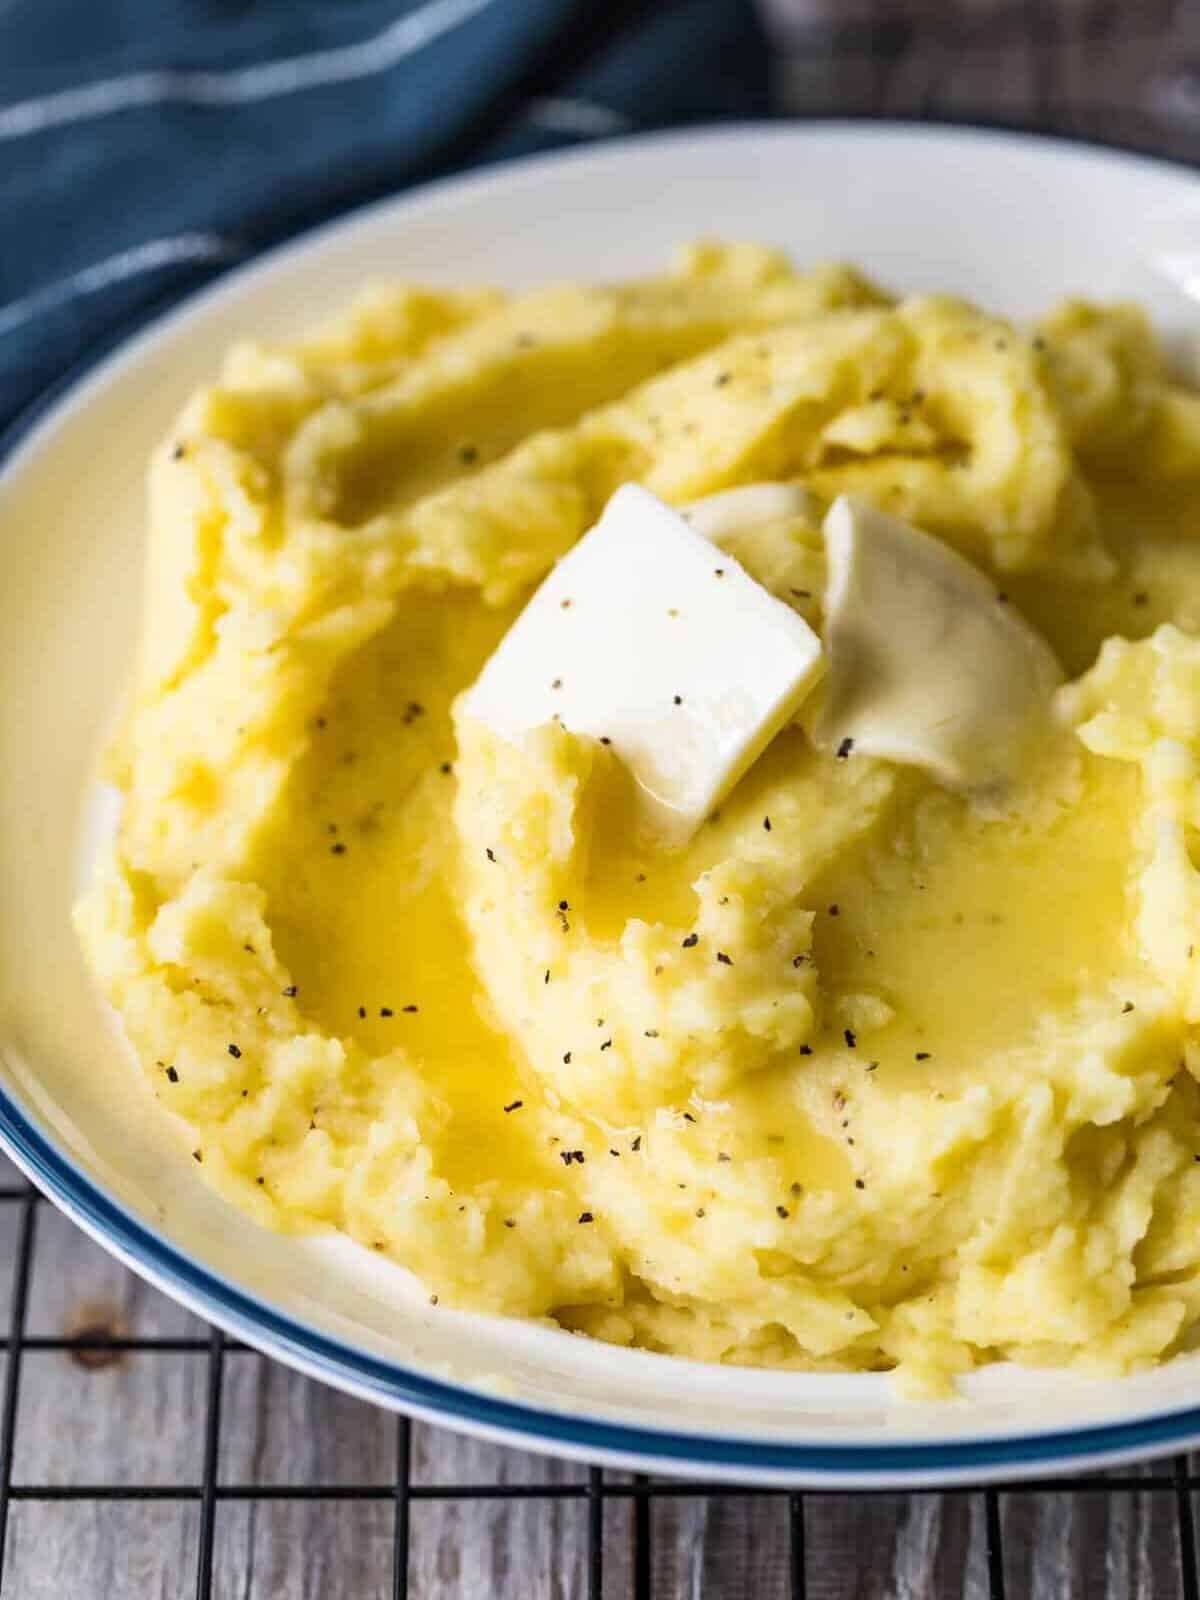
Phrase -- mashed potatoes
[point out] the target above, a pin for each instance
(862, 1076)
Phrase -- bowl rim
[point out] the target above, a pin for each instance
(903, 1464)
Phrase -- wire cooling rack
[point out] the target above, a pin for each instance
(1086, 67)
(1173, 1572)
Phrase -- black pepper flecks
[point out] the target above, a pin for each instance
(290, 992)
(637, 1144)
(678, 699)
(362, 1013)
(337, 849)
(691, 941)
(235, 1052)
(513, 1105)
(923, 1055)
(782, 1211)
(766, 824)
(385, 1011)
(851, 1041)
(726, 961)
(806, 1049)
(567, 1156)
(586, 1216)
(835, 911)
(490, 853)
(844, 749)
(172, 1075)
(607, 1045)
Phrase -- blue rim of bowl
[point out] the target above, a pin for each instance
(400, 1387)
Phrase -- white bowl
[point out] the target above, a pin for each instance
(1011, 220)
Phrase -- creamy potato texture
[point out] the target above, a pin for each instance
(862, 1076)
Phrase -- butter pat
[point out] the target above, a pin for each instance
(928, 665)
(735, 510)
(647, 636)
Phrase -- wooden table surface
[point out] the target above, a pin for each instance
(1081, 66)
(138, 1419)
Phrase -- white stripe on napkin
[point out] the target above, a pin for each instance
(152, 256)
(584, 118)
(265, 80)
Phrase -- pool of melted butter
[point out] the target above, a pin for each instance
(965, 925)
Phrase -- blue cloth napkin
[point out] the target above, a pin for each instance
(146, 145)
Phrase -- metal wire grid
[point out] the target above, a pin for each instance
(877, 42)
(1174, 1479)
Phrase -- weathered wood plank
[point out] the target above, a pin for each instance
(531, 1550)
(895, 1547)
(93, 1551)
(1115, 1547)
(73, 1279)
(734, 1548)
(295, 1550)
(279, 1427)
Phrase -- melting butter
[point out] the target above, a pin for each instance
(731, 511)
(647, 637)
(928, 664)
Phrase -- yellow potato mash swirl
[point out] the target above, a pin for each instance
(858, 1078)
